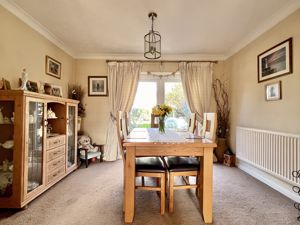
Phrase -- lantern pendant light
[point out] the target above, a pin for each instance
(152, 41)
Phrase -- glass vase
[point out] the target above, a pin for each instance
(161, 124)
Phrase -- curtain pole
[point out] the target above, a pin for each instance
(164, 61)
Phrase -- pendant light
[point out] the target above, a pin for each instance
(152, 41)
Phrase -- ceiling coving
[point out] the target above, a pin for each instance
(112, 29)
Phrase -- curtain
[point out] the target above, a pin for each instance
(197, 78)
(123, 79)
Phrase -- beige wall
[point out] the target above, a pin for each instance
(248, 105)
(97, 108)
(22, 47)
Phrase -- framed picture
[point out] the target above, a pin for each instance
(30, 85)
(97, 86)
(273, 91)
(56, 90)
(276, 61)
(53, 67)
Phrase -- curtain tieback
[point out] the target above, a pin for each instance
(113, 117)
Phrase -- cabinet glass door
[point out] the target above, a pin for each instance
(6, 147)
(71, 135)
(35, 145)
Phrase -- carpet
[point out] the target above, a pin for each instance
(93, 196)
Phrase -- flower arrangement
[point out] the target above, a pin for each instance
(162, 110)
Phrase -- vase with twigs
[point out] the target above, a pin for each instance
(76, 92)
(220, 92)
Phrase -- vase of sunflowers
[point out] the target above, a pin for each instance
(161, 111)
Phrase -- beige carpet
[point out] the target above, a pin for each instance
(93, 196)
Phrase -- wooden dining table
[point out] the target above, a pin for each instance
(150, 142)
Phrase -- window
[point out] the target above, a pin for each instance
(155, 90)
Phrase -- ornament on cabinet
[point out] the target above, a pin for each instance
(8, 144)
(24, 79)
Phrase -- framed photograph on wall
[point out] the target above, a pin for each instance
(53, 67)
(273, 91)
(97, 86)
(276, 61)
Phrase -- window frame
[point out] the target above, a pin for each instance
(160, 83)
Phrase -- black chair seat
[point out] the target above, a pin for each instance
(149, 164)
(181, 164)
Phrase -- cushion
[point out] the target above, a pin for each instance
(90, 155)
(149, 164)
(180, 164)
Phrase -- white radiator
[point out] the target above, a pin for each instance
(275, 153)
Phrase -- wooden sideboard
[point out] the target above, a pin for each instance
(38, 148)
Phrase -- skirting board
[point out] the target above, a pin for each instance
(275, 183)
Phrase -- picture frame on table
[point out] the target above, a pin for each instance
(4, 84)
(53, 67)
(56, 90)
(273, 91)
(276, 61)
(97, 86)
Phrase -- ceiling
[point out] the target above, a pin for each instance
(115, 28)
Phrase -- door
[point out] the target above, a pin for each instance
(35, 127)
(71, 159)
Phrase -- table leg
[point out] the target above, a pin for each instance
(207, 191)
(129, 184)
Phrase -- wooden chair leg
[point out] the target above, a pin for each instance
(143, 181)
(198, 183)
(171, 193)
(124, 191)
(86, 160)
(162, 194)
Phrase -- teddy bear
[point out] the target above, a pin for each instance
(84, 142)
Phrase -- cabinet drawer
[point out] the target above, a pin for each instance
(55, 163)
(55, 141)
(54, 153)
(55, 174)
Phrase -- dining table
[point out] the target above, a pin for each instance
(150, 142)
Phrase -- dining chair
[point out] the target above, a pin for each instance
(144, 167)
(188, 166)
(192, 123)
(154, 121)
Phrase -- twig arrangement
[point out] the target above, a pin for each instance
(296, 189)
(220, 91)
(76, 92)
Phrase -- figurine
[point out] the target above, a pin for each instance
(24, 79)
(51, 114)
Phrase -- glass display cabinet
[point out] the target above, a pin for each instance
(71, 135)
(38, 141)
